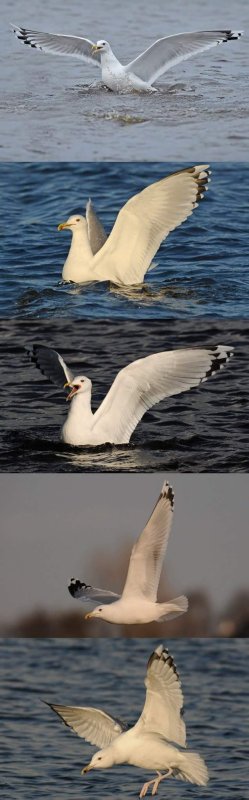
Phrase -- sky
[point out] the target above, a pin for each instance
(54, 525)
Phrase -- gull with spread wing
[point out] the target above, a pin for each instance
(141, 226)
(156, 742)
(136, 388)
(138, 602)
(138, 75)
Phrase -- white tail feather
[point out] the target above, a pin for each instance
(173, 608)
(193, 769)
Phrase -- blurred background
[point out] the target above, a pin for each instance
(61, 526)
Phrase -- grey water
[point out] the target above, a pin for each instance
(205, 429)
(201, 269)
(53, 108)
(42, 758)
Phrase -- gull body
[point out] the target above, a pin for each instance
(136, 388)
(156, 742)
(141, 226)
(138, 603)
(141, 73)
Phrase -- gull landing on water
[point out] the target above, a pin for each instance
(136, 388)
(156, 742)
(138, 602)
(138, 75)
(141, 226)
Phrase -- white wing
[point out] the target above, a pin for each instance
(92, 724)
(148, 552)
(145, 382)
(51, 364)
(58, 44)
(81, 591)
(169, 51)
(145, 221)
(164, 699)
(96, 232)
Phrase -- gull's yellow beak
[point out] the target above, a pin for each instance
(89, 615)
(66, 385)
(62, 225)
(95, 48)
(86, 769)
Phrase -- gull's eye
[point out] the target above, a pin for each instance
(78, 219)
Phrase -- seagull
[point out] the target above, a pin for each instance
(156, 742)
(140, 227)
(138, 602)
(139, 75)
(136, 388)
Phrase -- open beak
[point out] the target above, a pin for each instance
(89, 615)
(95, 48)
(62, 225)
(74, 389)
(86, 769)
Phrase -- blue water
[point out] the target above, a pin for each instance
(202, 268)
(42, 759)
(205, 429)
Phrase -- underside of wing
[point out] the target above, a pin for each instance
(51, 364)
(90, 594)
(91, 724)
(171, 50)
(96, 232)
(147, 381)
(163, 706)
(145, 221)
(148, 553)
(59, 44)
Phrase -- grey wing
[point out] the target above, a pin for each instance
(59, 44)
(91, 724)
(51, 364)
(170, 50)
(96, 232)
(163, 708)
(148, 552)
(86, 593)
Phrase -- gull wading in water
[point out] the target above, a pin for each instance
(140, 227)
(138, 75)
(156, 742)
(136, 388)
(138, 602)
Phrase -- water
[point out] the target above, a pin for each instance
(49, 112)
(42, 758)
(202, 268)
(206, 429)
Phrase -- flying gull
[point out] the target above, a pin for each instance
(138, 75)
(138, 602)
(140, 227)
(136, 388)
(156, 742)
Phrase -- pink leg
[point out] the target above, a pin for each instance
(159, 779)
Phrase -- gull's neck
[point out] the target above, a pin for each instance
(109, 59)
(79, 419)
(77, 264)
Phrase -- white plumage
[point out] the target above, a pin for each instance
(143, 71)
(138, 602)
(140, 227)
(158, 739)
(136, 388)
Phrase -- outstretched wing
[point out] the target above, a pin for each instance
(145, 382)
(91, 724)
(59, 44)
(148, 553)
(145, 221)
(162, 711)
(170, 50)
(96, 232)
(51, 364)
(81, 591)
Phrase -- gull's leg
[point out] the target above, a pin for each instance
(145, 787)
(159, 779)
